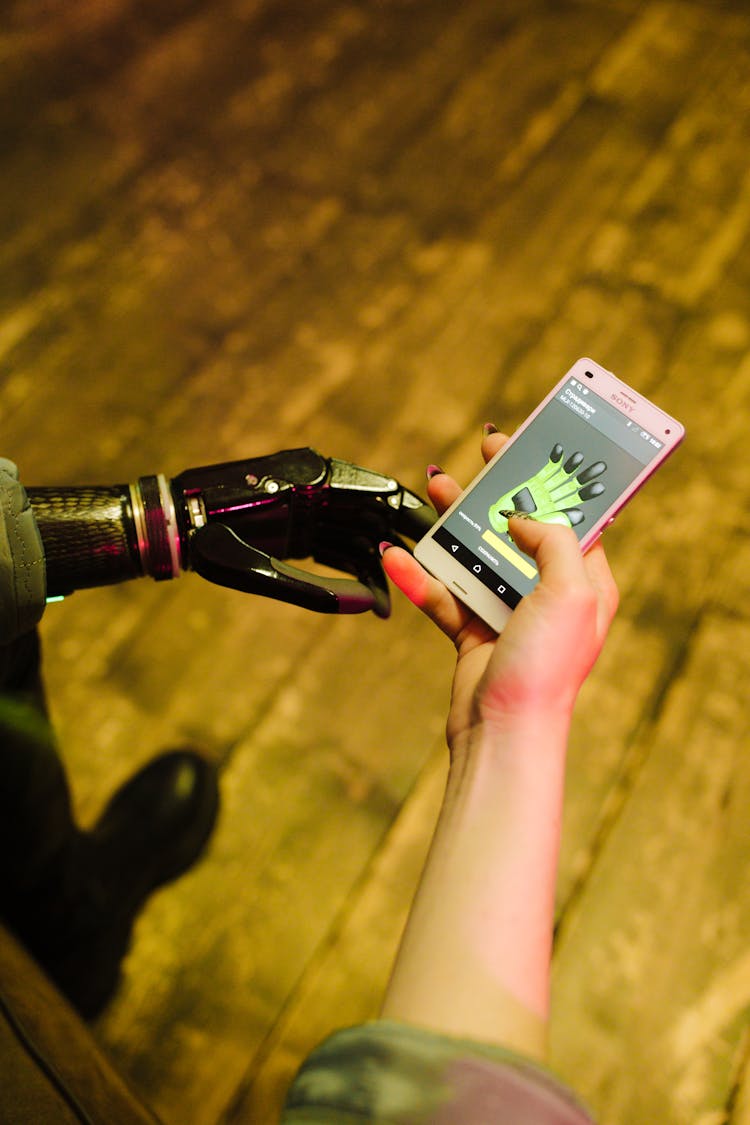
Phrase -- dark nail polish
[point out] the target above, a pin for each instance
(433, 471)
(489, 428)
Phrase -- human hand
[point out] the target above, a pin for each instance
(551, 641)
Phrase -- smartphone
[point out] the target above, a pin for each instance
(577, 460)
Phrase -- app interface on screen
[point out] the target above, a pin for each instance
(575, 458)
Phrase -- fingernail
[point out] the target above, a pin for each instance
(383, 546)
(489, 428)
(433, 471)
(517, 515)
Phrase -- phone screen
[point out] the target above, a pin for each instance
(569, 466)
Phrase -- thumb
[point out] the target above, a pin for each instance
(554, 549)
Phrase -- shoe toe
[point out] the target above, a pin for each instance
(161, 820)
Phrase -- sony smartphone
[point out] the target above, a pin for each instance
(577, 460)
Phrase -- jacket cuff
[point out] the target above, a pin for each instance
(23, 583)
(395, 1074)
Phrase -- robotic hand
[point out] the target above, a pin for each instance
(234, 524)
(552, 494)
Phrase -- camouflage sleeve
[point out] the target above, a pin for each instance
(392, 1074)
(22, 571)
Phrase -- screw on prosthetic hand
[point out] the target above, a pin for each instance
(553, 493)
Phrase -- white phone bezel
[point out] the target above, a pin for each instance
(630, 404)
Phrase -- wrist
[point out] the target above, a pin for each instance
(530, 732)
(476, 955)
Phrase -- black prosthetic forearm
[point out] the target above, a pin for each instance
(103, 534)
(89, 536)
(234, 523)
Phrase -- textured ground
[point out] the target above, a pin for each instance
(232, 227)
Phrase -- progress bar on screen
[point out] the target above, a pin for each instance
(519, 562)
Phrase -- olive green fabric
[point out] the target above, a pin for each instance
(22, 569)
(387, 1073)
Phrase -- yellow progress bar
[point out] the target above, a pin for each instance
(512, 556)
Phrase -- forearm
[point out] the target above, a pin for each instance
(475, 955)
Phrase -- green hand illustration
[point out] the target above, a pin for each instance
(552, 494)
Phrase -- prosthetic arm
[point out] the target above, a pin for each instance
(235, 523)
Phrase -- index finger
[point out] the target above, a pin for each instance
(442, 489)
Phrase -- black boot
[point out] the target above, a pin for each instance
(72, 896)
